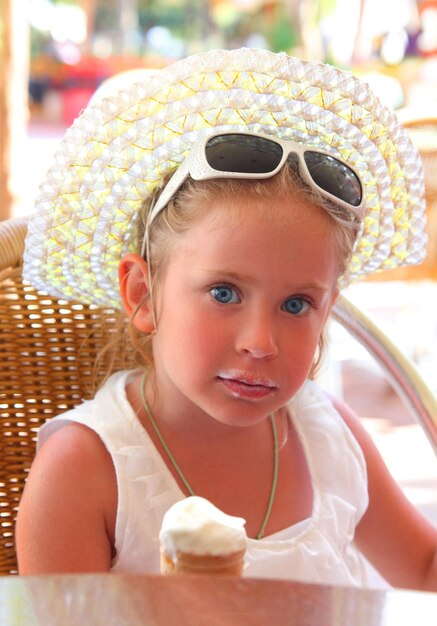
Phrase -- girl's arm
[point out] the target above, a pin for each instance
(66, 517)
(393, 535)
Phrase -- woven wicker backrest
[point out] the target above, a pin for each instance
(47, 354)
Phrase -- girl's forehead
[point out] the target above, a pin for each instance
(242, 225)
(260, 234)
(245, 209)
(258, 252)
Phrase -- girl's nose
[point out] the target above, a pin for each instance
(256, 337)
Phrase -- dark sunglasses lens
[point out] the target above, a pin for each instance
(334, 177)
(244, 154)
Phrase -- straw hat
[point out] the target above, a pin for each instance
(118, 151)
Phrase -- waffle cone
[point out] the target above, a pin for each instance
(231, 564)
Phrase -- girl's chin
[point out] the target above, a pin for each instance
(244, 417)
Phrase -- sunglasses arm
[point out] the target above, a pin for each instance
(161, 200)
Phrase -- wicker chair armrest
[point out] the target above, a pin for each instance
(12, 235)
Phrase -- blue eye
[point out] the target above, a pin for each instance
(295, 305)
(224, 294)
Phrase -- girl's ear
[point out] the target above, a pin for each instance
(133, 276)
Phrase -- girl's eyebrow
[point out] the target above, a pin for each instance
(231, 275)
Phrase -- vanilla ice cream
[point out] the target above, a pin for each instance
(197, 537)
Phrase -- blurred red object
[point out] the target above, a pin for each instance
(80, 81)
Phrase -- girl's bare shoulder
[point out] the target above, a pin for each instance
(67, 513)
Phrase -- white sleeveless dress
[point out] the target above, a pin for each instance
(320, 549)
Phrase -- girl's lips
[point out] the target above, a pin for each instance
(244, 385)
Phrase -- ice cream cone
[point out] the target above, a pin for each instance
(198, 538)
(185, 563)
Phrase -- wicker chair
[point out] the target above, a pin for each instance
(47, 353)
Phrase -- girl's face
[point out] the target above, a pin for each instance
(240, 308)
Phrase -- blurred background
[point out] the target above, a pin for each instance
(54, 55)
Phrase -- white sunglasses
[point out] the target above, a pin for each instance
(255, 156)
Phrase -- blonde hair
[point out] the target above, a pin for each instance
(189, 205)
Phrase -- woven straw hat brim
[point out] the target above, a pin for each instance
(120, 149)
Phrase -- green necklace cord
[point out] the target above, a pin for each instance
(161, 438)
(260, 535)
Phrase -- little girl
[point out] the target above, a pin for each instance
(290, 179)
